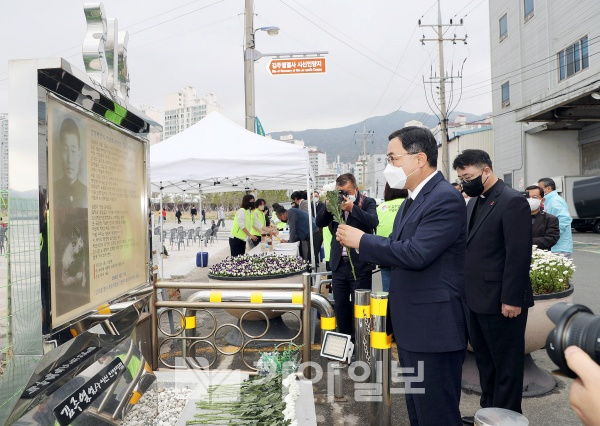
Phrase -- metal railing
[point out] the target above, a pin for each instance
(247, 296)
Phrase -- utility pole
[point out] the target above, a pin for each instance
(367, 136)
(249, 64)
(442, 81)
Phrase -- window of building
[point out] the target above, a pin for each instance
(528, 9)
(503, 27)
(506, 94)
(508, 179)
(590, 159)
(573, 59)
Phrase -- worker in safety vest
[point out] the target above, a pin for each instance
(242, 223)
(386, 212)
(259, 223)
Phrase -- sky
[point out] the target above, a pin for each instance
(376, 62)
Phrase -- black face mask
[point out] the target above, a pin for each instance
(474, 188)
(251, 204)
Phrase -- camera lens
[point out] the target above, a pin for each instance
(576, 325)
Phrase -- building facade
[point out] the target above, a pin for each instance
(377, 164)
(482, 138)
(317, 160)
(290, 139)
(545, 89)
(159, 117)
(183, 109)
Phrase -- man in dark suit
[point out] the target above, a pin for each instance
(359, 211)
(426, 251)
(497, 278)
(298, 222)
(546, 231)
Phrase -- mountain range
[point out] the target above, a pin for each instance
(347, 141)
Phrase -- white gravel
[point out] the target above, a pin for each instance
(160, 406)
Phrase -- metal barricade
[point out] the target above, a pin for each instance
(362, 324)
(381, 343)
(247, 296)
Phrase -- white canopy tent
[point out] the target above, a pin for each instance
(217, 155)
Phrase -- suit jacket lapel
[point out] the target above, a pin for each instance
(490, 203)
(413, 207)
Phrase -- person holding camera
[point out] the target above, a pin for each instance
(359, 212)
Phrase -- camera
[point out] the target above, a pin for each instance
(576, 325)
(341, 195)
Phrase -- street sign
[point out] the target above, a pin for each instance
(297, 66)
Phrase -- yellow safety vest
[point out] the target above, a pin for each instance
(386, 213)
(327, 237)
(236, 231)
(262, 219)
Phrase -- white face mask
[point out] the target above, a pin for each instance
(396, 176)
(534, 204)
(351, 198)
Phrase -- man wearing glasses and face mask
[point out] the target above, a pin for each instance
(426, 252)
(545, 226)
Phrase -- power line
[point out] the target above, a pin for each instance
(560, 95)
(347, 44)
(392, 76)
(354, 41)
(525, 79)
(188, 31)
(529, 67)
(329, 59)
(177, 17)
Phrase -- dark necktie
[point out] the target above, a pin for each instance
(407, 204)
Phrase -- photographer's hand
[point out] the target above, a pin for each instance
(585, 391)
(347, 205)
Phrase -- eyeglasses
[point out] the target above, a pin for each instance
(462, 181)
(391, 158)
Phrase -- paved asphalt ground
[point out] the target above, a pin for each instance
(550, 409)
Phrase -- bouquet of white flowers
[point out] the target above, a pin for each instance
(261, 265)
(549, 272)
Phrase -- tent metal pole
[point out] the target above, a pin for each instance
(310, 228)
(200, 206)
(162, 225)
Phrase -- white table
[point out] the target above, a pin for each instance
(280, 249)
